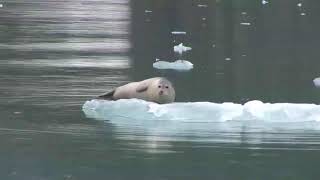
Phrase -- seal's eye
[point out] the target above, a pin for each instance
(167, 87)
(159, 86)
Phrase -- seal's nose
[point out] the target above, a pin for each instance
(160, 92)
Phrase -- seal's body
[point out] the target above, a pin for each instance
(158, 89)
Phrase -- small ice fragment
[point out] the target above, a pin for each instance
(148, 11)
(182, 65)
(316, 82)
(299, 4)
(17, 112)
(1, 5)
(202, 5)
(243, 13)
(178, 32)
(245, 23)
(302, 14)
(243, 55)
(228, 59)
(157, 59)
(264, 2)
(203, 19)
(181, 48)
(213, 45)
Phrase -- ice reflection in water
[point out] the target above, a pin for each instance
(57, 54)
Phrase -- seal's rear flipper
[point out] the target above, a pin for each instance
(108, 95)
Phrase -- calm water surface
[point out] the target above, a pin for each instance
(56, 54)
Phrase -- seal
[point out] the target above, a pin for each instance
(157, 89)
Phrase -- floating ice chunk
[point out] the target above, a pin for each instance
(178, 32)
(299, 4)
(316, 82)
(245, 23)
(1, 5)
(134, 109)
(228, 59)
(182, 65)
(181, 48)
(203, 19)
(264, 2)
(202, 5)
(148, 11)
(243, 13)
(302, 14)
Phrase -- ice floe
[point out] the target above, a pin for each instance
(181, 48)
(316, 82)
(182, 65)
(178, 32)
(255, 110)
(245, 23)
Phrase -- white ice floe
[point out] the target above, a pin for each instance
(245, 23)
(1, 5)
(302, 14)
(264, 2)
(181, 48)
(178, 32)
(299, 4)
(202, 5)
(134, 109)
(316, 82)
(228, 59)
(181, 65)
(148, 11)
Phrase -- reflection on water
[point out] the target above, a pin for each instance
(56, 54)
(50, 50)
(257, 125)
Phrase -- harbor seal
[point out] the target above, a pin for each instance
(158, 89)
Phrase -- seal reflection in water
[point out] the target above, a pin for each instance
(158, 89)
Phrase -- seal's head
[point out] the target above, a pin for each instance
(163, 91)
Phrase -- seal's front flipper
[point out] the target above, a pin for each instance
(142, 87)
(108, 95)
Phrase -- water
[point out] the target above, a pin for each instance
(55, 55)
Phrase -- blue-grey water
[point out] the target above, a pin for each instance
(57, 54)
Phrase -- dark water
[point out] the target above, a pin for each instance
(56, 54)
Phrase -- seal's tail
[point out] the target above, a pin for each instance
(108, 95)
